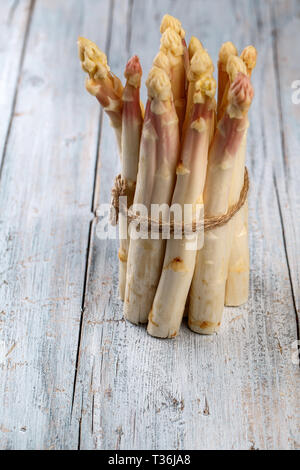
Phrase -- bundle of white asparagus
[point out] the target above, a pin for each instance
(186, 151)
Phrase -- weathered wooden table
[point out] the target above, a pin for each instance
(73, 374)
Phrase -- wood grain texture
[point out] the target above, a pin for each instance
(45, 198)
(73, 373)
(286, 25)
(15, 17)
(238, 390)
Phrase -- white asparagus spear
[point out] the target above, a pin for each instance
(159, 151)
(200, 64)
(233, 66)
(132, 121)
(172, 291)
(161, 60)
(169, 21)
(227, 49)
(237, 285)
(101, 83)
(208, 286)
(171, 45)
(195, 45)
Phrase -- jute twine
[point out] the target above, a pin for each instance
(120, 189)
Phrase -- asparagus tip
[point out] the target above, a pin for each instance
(200, 64)
(234, 66)
(171, 42)
(227, 49)
(133, 67)
(249, 56)
(158, 84)
(194, 45)
(205, 86)
(133, 71)
(169, 21)
(93, 60)
(161, 61)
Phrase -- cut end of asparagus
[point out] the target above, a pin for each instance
(93, 60)
(205, 327)
(205, 86)
(158, 84)
(249, 56)
(161, 61)
(235, 65)
(133, 71)
(194, 45)
(169, 21)
(240, 96)
(171, 42)
(200, 64)
(227, 49)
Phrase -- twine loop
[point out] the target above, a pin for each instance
(120, 189)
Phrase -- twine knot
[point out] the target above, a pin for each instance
(119, 189)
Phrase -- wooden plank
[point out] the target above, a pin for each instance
(237, 390)
(103, 270)
(14, 26)
(286, 24)
(45, 199)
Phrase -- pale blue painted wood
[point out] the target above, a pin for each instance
(46, 194)
(286, 19)
(14, 24)
(239, 390)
